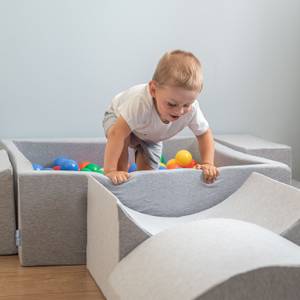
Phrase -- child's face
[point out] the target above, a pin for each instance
(172, 102)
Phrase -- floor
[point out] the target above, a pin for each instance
(55, 282)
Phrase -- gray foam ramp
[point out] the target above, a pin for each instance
(210, 259)
(260, 200)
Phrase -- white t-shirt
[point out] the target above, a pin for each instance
(136, 106)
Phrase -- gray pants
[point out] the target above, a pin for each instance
(150, 151)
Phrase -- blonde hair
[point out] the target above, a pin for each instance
(181, 69)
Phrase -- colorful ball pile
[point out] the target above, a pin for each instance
(183, 159)
(66, 164)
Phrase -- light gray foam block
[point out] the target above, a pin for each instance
(257, 146)
(7, 207)
(260, 200)
(210, 259)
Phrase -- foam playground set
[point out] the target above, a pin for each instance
(163, 234)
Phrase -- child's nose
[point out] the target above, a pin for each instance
(181, 110)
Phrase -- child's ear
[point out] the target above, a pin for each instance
(152, 88)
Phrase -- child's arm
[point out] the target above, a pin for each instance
(207, 152)
(117, 135)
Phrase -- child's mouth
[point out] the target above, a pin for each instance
(174, 117)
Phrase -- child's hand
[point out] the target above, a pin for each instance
(117, 177)
(210, 172)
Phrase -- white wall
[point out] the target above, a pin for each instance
(62, 61)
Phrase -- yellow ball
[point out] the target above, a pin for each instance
(183, 158)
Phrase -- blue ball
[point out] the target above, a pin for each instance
(162, 168)
(58, 161)
(37, 167)
(132, 168)
(69, 165)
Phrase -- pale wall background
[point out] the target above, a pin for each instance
(62, 61)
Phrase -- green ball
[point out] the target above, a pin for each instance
(163, 160)
(85, 170)
(94, 168)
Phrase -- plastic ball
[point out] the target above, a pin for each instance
(37, 167)
(56, 168)
(192, 164)
(83, 164)
(93, 168)
(183, 158)
(132, 168)
(163, 159)
(59, 160)
(162, 166)
(69, 165)
(172, 164)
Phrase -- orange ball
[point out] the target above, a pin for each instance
(172, 164)
(183, 158)
(192, 164)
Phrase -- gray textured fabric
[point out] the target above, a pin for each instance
(19, 163)
(183, 192)
(206, 258)
(44, 152)
(260, 200)
(257, 146)
(52, 218)
(296, 183)
(167, 192)
(103, 249)
(272, 283)
(130, 235)
(7, 207)
(52, 205)
(293, 233)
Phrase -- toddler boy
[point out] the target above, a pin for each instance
(146, 114)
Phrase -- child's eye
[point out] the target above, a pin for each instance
(171, 104)
(186, 105)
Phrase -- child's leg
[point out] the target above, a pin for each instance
(140, 162)
(123, 160)
(147, 156)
